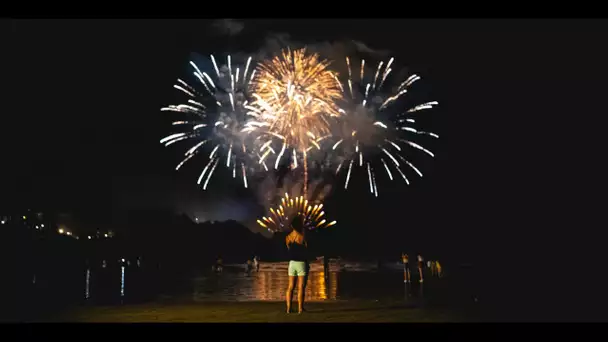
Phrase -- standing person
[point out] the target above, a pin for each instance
(256, 263)
(420, 267)
(406, 268)
(433, 268)
(438, 267)
(297, 247)
(219, 265)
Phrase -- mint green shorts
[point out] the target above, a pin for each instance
(297, 268)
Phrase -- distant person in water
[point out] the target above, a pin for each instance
(439, 271)
(219, 265)
(297, 247)
(249, 266)
(256, 263)
(406, 268)
(420, 267)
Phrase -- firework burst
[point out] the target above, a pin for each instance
(295, 95)
(280, 217)
(214, 117)
(376, 131)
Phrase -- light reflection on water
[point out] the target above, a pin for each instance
(235, 284)
(263, 285)
(87, 290)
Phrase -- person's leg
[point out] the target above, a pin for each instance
(301, 291)
(420, 273)
(292, 281)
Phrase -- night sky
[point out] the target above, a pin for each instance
(81, 127)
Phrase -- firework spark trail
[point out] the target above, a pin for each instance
(244, 175)
(390, 155)
(228, 158)
(209, 80)
(337, 144)
(387, 169)
(170, 137)
(176, 140)
(394, 145)
(413, 167)
(428, 133)
(350, 167)
(195, 147)
(246, 68)
(196, 103)
(348, 67)
(428, 105)
(378, 123)
(418, 147)
(403, 175)
(214, 151)
(200, 78)
(261, 158)
(252, 75)
(183, 90)
(295, 159)
(204, 171)
(369, 172)
(183, 161)
(377, 73)
(375, 187)
(217, 71)
(186, 85)
(362, 68)
(276, 164)
(180, 123)
(210, 174)
(231, 101)
(339, 167)
(198, 71)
